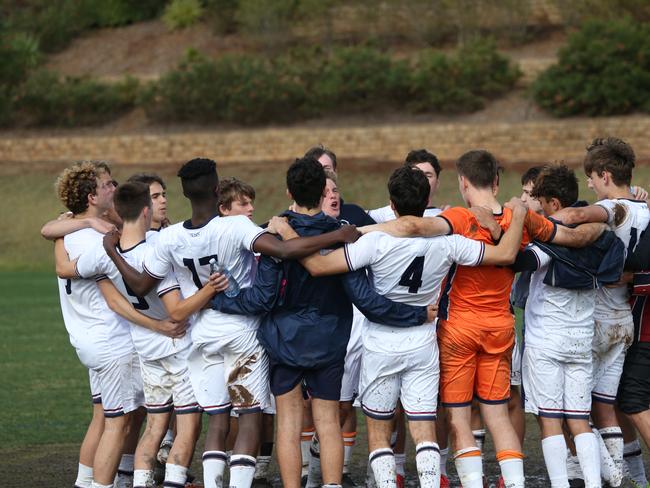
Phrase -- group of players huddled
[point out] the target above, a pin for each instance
(277, 333)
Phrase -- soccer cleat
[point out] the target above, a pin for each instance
(444, 481)
(573, 471)
(347, 481)
(400, 481)
(163, 452)
(303, 481)
(502, 483)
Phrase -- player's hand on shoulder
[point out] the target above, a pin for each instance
(172, 329)
(65, 216)
(111, 240)
(517, 206)
(639, 193)
(445, 207)
(278, 225)
(101, 225)
(217, 282)
(349, 233)
(432, 312)
(485, 219)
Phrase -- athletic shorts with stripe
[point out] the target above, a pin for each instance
(95, 389)
(412, 378)
(167, 384)
(474, 363)
(120, 383)
(230, 373)
(612, 337)
(556, 387)
(351, 372)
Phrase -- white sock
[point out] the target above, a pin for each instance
(613, 439)
(370, 477)
(512, 470)
(84, 476)
(331, 485)
(383, 467)
(554, 449)
(262, 467)
(607, 468)
(242, 471)
(469, 469)
(143, 478)
(427, 460)
(314, 474)
(479, 438)
(94, 484)
(175, 476)
(349, 439)
(214, 464)
(634, 462)
(444, 455)
(588, 452)
(169, 436)
(400, 462)
(305, 443)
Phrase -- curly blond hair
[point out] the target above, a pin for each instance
(77, 182)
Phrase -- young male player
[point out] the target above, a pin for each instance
(608, 165)
(557, 362)
(158, 192)
(306, 330)
(227, 365)
(401, 362)
(476, 330)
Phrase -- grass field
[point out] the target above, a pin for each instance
(44, 405)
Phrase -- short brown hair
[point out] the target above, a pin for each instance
(331, 175)
(77, 182)
(480, 167)
(556, 181)
(317, 151)
(130, 198)
(613, 155)
(231, 189)
(148, 179)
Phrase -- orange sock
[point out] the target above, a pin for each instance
(469, 452)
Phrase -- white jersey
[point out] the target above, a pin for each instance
(628, 218)
(96, 332)
(148, 344)
(187, 252)
(384, 214)
(558, 320)
(408, 270)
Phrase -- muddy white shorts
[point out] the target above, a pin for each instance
(231, 373)
(352, 368)
(515, 366)
(167, 384)
(556, 388)
(120, 383)
(612, 338)
(411, 377)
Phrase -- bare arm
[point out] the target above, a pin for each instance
(410, 226)
(180, 309)
(506, 251)
(67, 224)
(65, 268)
(581, 236)
(140, 282)
(304, 246)
(580, 215)
(121, 306)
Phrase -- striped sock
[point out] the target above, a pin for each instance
(242, 471)
(349, 439)
(383, 467)
(469, 466)
(175, 476)
(214, 464)
(427, 460)
(512, 468)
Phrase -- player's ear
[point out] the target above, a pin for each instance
(392, 207)
(289, 195)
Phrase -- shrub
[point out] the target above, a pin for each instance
(223, 15)
(604, 69)
(47, 99)
(462, 82)
(180, 14)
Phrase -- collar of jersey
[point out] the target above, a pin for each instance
(123, 251)
(188, 223)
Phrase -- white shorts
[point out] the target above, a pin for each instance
(612, 338)
(352, 369)
(555, 388)
(515, 367)
(269, 410)
(167, 385)
(95, 389)
(412, 377)
(120, 383)
(233, 373)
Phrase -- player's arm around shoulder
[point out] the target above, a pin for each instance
(65, 268)
(506, 251)
(66, 224)
(410, 226)
(581, 215)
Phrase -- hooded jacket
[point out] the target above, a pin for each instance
(307, 320)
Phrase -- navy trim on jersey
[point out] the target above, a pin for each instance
(101, 277)
(443, 305)
(255, 239)
(124, 251)
(188, 223)
(151, 273)
(347, 258)
(451, 227)
(168, 290)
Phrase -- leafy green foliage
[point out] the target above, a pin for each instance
(180, 14)
(604, 69)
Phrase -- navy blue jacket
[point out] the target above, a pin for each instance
(355, 215)
(307, 320)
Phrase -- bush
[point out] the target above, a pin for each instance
(235, 88)
(180, 14)
(604, 69)
(47, 99)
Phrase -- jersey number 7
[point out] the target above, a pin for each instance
(204, 261)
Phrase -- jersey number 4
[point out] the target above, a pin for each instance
(204, 261)
(412, 276)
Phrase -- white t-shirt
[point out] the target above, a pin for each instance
(558, 320)
(187, 252)
(635, 217)
(148, 344)
(96, 332)
(384, 214)
(408, 271)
